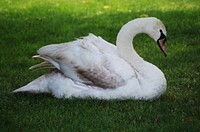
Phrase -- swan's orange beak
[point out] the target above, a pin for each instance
(161, 44)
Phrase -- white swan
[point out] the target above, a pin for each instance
(92, 67)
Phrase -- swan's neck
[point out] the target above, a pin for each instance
(124, 42)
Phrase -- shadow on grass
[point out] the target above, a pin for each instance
(54, 28)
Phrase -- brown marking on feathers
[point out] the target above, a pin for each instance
(100, 79)
(58, 57)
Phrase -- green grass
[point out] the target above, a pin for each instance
(25, 26)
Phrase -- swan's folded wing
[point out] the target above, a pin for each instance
(99, 76)
(83, 61)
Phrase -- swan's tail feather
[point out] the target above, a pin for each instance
(39, 85)
(47, 63)
(42, 65)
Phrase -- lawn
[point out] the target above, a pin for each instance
(25, 26)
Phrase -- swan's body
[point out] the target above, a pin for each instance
(92, 67)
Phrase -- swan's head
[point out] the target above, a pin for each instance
(157, 31)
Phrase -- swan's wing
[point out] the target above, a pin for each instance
(84, 60)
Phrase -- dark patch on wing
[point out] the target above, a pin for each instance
(59, 57)
(102, 78)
